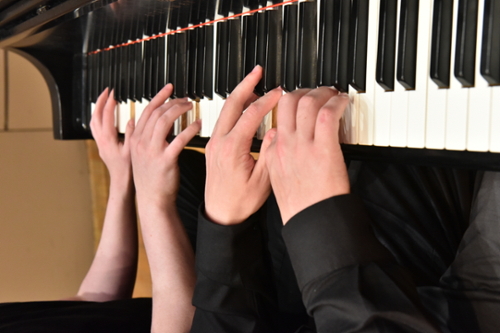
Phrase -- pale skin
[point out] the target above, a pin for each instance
(156, 177)
(113, 270)
(301, 159)
(304, 160)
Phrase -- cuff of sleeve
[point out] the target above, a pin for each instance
(329, 235)
(223, 251)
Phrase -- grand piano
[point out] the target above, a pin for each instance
(423, 75)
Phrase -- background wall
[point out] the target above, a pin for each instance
(46, 231)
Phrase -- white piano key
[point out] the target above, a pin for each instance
(365, 102)
(458, 97)
(139, 109)
(495, 120)
(204, 116)
(417, 99)
(478, 133)
(382, 126)
(123, 116)
(399, 105)
(435, 117)
(348, 122)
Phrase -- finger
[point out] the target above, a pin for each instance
(108, 118)
(145, 128)
(162, 96)
(235, 103)
(327, 122)
(128, 133)
(96, 120)
(287, 110)
(308, 108)
(250, 121)
(181, 140)
(165, 122)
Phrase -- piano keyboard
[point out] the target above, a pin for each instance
(420, 74)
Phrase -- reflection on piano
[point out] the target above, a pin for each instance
(423, 75)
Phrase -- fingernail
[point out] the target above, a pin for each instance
(256, 68)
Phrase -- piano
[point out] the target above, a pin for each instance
(423, 75)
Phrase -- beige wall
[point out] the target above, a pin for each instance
(46, 239)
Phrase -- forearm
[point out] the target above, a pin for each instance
(171, 261)
(113, 270)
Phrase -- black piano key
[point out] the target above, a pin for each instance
(148, 63)
(289, 53)
(340, 57)
(139, 66)
(208, 62)
(261, 54)
(326, 47)
(224, 7)
(251, 4)
(407, 44)
(490, 49)
(307, 55)
(171, 45)
(235, 59)
(441, 42)
(161, 69)
(155, 59)
(386, 52)
(273, 56)
(123, 77)
(192, 62)
(180, 86)
(358, 42)
(249, 43)
(465, 52)
(197, 75)
(221, 58)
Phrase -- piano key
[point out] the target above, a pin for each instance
(123, 116)
(364, 102)
(274, 45)
(171, 46)
(200, 58)
(458, 98)
(148, 69)
(465, 51)
(341, 37)
(441, 42)
(326, 48)
(139, 71)
(495, 119)
(249, 43)
(290, 26)
(307, 54)
(490, 59)
(221, 58)
(478, 128)
(417, 98)
(208, 61)
(387, 44)
(358, 44)
(234, 70)
(192, 70)
(261, 54)
(180, 87)
(385, 71)
(407, 46)
(399, 97)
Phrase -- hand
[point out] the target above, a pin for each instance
(154, 160)
(304, 160)
(114, 153)
(237, 185)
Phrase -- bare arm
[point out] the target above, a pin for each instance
(113, 270)
(156, 177)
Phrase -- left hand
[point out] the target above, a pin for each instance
(114, 153)
(237, 185)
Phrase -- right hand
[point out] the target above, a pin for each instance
(154, 160)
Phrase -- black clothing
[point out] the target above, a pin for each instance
(132, 315)
(406, 253)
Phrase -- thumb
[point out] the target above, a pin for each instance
(128, 133)
(260, 170)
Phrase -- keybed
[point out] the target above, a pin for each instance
(420, 73)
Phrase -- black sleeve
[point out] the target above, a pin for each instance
(349, 281)
(233, 290)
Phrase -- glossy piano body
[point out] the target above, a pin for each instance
(66, 39)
